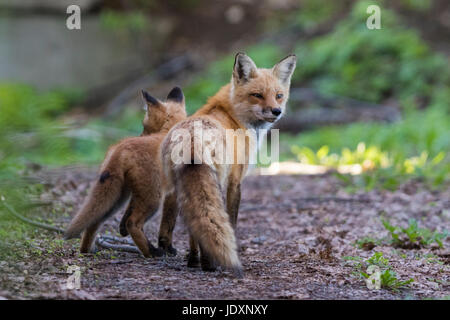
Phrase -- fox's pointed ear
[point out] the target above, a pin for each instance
(176, 95)
(244, 68)
(149, 100)
(284, 69)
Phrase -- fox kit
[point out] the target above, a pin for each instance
(208, 194)
(133, 167)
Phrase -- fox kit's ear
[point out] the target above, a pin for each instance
(149, 100)
(244, 68)
(176, 95)
(283, 70)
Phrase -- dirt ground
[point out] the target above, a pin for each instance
(293, 233)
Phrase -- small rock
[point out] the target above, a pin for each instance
(303, 249)
(310, 241)
(259, 240)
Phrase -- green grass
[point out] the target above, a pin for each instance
(415, 147)
(410, 237)
(375, 268)
(19, 239)
(413, 236)
(30, 132)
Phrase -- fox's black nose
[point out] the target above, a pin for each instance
(276, 112)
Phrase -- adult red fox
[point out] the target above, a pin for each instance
(133, 166)
(208, 194)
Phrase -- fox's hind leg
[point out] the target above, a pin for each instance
(135, 226)
(88, 238)
(206, 262)
(123, 222)
(168, 221)
(193, 260)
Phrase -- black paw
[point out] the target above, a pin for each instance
(171, 251)
(168, 251)
(167, 247)
(193, 261)
(208, 265)
(156, 252)
(209, 268)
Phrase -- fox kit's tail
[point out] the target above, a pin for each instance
(200, 200)
(105, 197)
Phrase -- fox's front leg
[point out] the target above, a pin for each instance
(233, 201)
(168, 221)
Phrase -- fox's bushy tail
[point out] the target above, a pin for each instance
(201, 202)
(105, 197)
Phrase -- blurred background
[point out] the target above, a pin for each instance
(373, 103)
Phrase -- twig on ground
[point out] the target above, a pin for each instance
(102, 241)
(14, 213)
(117, 239)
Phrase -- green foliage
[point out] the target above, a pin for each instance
(389, 280)
(413, 147)
(413, 236)
(218, 74)
(388, 277)
(31, 131)
(315, 12)
(22, 108)
(375, 65)
(28, 131)
(378, 260)
(417, 5)
(17, 236)
(372, 65)
(368, 243)
(369, 157)
(135, 21)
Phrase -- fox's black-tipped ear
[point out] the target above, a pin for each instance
(284, 69)
(244, 68)
(176, 95)
(149, 99)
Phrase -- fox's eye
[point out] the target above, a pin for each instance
(279, 95)
(257, 95)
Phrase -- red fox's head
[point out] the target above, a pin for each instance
(161, 115)
(259, 95)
